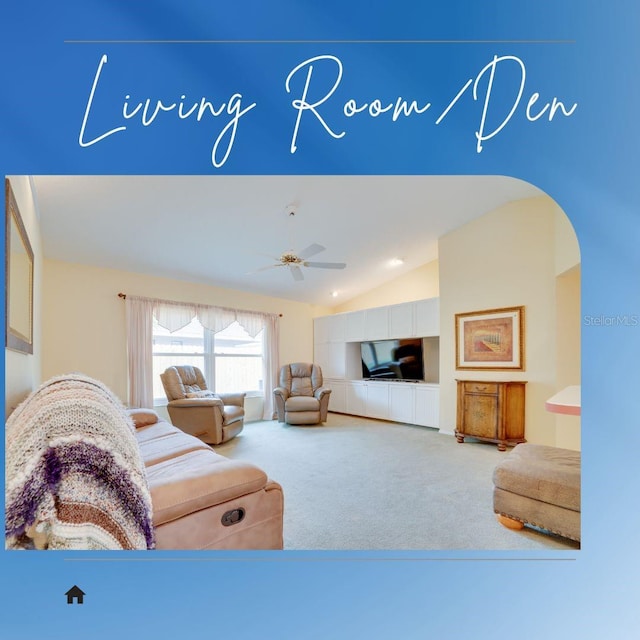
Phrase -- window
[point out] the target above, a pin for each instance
(231, 360)
(238, 360)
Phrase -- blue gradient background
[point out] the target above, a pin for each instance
(587, 163)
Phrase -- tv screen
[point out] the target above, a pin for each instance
(392, 359)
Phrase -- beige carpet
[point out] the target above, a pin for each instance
(359, 484)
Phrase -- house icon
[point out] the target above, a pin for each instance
(75, 593)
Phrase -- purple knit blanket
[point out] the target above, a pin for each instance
(74, 475)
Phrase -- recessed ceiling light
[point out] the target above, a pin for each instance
(396, 262)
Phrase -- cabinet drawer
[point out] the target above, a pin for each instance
(490, 388)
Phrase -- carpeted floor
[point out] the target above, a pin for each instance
(359, 484)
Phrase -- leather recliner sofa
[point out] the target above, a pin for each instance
(202, 500)
(83, 472)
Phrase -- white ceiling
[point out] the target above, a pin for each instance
(217, 229)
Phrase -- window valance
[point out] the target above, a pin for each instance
(176, 315)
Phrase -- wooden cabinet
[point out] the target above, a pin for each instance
(491, 411)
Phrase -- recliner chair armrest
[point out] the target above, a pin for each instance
(280, 395)
(321, 391)
(232, 399)
(282, 392)
(322, 394)
(196, 402)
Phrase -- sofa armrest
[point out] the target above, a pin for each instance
(232, 399)
(183, 403)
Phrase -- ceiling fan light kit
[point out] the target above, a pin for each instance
(295, 260)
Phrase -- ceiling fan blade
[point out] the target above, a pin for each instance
(311, 250)
(296, 272)
(326, 265)
(269, 266)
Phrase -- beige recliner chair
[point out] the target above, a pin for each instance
(212, 417)
(301, 398)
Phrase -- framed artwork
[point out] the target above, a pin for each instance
(18, 301)
(492, 339)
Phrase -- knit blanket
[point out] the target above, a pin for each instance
(74, 475)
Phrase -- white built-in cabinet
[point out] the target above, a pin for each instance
(354, 326)
(401, 320)
(356, 397)
(331, 356)
(338, 398)
(376, 324)
(401, 400)
(426, 405)
(337, 350)
(408, 402)
(377, 400)
(406, 320)
(426, 317)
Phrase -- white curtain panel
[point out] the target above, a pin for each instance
(270, 363)
(139, 319)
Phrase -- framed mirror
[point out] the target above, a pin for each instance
(18, 306)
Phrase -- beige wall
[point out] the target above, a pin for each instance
(22, 371)
(568, 359)
(569, 324)
(566, 244)
(84, 319)
(417, 284)
(508, 258)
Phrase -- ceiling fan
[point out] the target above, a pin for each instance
(295, 260)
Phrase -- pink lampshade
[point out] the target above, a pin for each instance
(566, 401)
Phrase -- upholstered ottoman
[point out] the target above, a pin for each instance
(540, 486)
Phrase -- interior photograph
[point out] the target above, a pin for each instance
(290, 363)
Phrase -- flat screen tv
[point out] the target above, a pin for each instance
(393, 360)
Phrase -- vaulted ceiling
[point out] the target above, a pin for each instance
(221, 230)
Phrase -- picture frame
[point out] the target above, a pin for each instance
(492, 339)
(18, 302)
